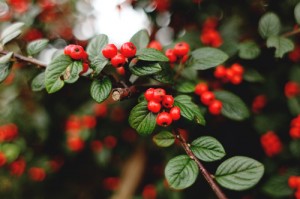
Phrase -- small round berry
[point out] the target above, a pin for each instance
(215, 107)
(75, 144)
(159, 94)
(77, 52)
(68, 49)
(128, 49)
(109, 51)
(155, 44)
(121, 70)
(2, 159)
(118, 60)
(175, 113)
(85, 68)
(37, 174)
(294, 182)
(207, 97)
(237, 69)
(201, 88)
(149, 94)
(168, 101)
(181, 49)
(229, 74)
(220, 72)
(171, 55)
(236, 79)
(154, 106)
(163, 119)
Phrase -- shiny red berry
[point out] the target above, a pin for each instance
(215, 107)
(171, 55)
(201, 88)
(68, 49)
(237, 69)
(159, 94)
(109, 51)
(175, 113)
(294, 182)
(181, 49)
(207, 97)
(220, 72)
(128, 49)
(229, 74)
(77, 52)
(149, 94)
(155, 44)
(154, 106)
(236, 79)
(85, 68)
(168, 101)
(118, 60)
(163, 119)
(121, 70)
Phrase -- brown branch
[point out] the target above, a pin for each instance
(291, 33)
(119, 94)
(208, 177)
(26, 59)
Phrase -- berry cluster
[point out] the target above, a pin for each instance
(208, 98)
(179, 53)
(158, 99)
(209, 35)
(76, 52)
(294, 183)
(233, 74)
(295, 128)
(259, 102)
(271, 143)
(291, 89)
(118, 59)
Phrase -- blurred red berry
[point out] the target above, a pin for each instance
(215, 107)
(201, 88)
(171, 55)
(181, 49)
(291, 89)
(149, 192)
(37, 174)
(155, 44)
(75, 144)
(110, 142)
(207, 97)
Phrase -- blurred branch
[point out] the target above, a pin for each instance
(119, 94)
(291, 33)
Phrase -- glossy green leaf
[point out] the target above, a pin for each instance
(38, 83)
(140, 39)
(282, 45)
(208, 149)
(141, 119)
(5, 66)
(297, 13)
(145, 68)
(251, 75)
(164, 139)
(37, 46)
(269, 25)
(185, 87)
(98, 64)
(239, 173)
(181, 172)
(71, 74)
(95, 46)
(11, 32)
(207, 57)
(165, 75)
(248, 50)
(150, 54)
(100, 89)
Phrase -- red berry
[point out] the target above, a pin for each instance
(159, 94)
(128, 49)
(184, 58)
(154, 106)
(118, 60)
(220, 72)
(37, 174)
(201, 88)
(181, 49)
(175, 113)
(295, 132)
(68, 49)
(121, 70)
(77, 52)
(85, 68)
(207, 97)
(110, 141)
(171, 55)
(294, 182)
(237, 69)
(149, 192)
(109, 51)
(163, 119)
(149, 94)
(215, 107)
(2, 159)
(229, 74)
(291, 89)
(168, 101)
(75, 144)
(17, 167)
(155, 44)
(236, 79)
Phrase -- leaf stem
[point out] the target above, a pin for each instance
(208, 177)
(180, 69)
(291, 33)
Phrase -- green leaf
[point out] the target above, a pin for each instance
(277, 187)
(239, 173)
(140, 39)
(95, 46)
(37, 46)
(11, 151)
(145, 68)
(141, 119)
(71, 74)
(100, 90)
(5, 66)
(150, 54)
(98, 64)
(181, 172)
(282, 45)
(11, 32)
(207, 57)
(295, 148)
(208, 149)
(252, 75)
(233, 107)
(293, 105)
(297, 13)
(185, 87)
(269, 25)
(248, 50)
(188, 109)
(164, 139)
(38, 83)
(165, 75)
(55, 71)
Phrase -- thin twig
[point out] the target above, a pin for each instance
(291, 33)
(208, 177)
(180, 69)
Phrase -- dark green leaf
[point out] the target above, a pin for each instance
(239, 173)
(164, 139)
(165, 76)
(5, 66)
(269, 25)
(297, 13)
(141, 119)
(181, 172)
(185, 87)
(140, 39)
(277, 187)
(207, 57)
(208, 149)
(11, 32)
(55, 71)
(295, 148)
(145, 68)
(38, 83)
(71, 74)
(150, 54)
(252, 75)
(98, 64)
(95, 46)
(248, 50)
(37, 46)
(100, 90)
(188, 109)
(294, 106)
(282, 45)
(233, 107)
